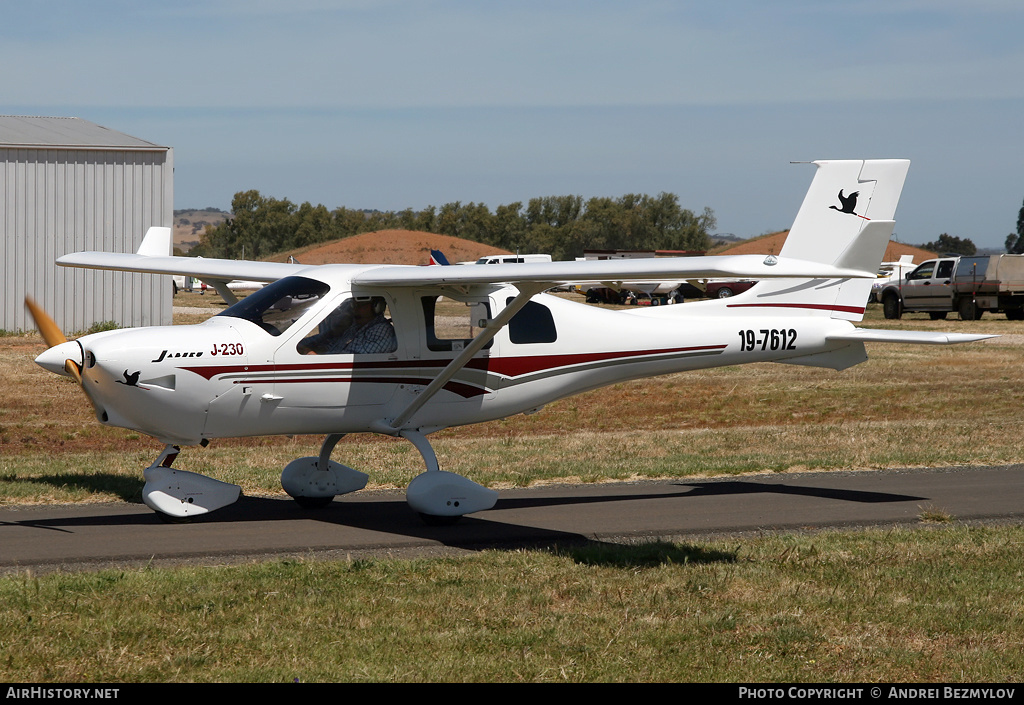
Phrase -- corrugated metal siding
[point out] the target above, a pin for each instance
(55, 201)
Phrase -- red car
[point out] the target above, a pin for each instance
(723, 290)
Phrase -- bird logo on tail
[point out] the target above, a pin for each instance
(848, 204)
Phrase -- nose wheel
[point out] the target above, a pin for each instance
(180, 494)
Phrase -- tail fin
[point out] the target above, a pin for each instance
(846, 220)
(156, 243)
(437, 257)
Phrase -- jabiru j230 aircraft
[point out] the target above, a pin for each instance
(406, 351)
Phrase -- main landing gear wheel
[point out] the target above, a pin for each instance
(439, 497)
(314, 482)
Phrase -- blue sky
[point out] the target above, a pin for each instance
(405, 103)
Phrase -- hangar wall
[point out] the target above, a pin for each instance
(100, 191)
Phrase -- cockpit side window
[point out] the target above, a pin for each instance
(451, 324)
(357, 326)
(275, 307)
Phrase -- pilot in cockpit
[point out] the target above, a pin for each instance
(357, 326)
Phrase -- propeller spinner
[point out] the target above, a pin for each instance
(63, 356)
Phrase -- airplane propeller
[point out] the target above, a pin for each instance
(46, 325)
(60, 348)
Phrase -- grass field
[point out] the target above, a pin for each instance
(890, 606)
(936, 604)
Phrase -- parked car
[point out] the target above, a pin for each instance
(725, 289)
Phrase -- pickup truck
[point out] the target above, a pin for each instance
(967, 285)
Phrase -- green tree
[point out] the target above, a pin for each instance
(952, 245)
(640, 222)
(1015, 241)
(426, 220)
(562, 226)
(508, 227)
(315, 224)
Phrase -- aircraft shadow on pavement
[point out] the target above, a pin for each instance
(738, 487)
(393, 516)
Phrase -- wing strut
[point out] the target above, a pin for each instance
(221, 287)
(527, 290)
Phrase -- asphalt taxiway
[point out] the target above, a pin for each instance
(87, 536)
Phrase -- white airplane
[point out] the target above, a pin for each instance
(891, 272)
(289, 360)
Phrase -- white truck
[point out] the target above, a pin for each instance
(968, 285)
(513, 259)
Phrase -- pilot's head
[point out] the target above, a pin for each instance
(365, 309)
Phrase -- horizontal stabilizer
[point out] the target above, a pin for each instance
(913, 337)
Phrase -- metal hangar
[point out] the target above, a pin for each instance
(68, 185)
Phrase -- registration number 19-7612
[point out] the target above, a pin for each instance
(767, 339)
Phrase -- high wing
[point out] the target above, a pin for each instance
(154, 257)
(619, 270)
(755, 266)
(147, 260)
(226, 269)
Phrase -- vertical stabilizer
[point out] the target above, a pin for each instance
(846, 220)
(156, 243)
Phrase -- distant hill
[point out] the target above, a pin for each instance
(390, 247)
(723, 240)
(190, 223)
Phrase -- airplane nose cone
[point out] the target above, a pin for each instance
(54, 358)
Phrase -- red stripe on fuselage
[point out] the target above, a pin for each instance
(516, 366)
(816, 307)
(506, 366)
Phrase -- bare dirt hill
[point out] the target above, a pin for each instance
(390, 247)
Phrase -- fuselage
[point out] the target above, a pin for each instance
(239, 374)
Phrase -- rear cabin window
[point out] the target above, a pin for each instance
(533, 324)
